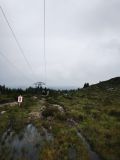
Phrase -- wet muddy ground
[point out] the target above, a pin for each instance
(29, 142)
(26, 144)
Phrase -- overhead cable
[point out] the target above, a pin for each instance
(15, 67)
(17, 42)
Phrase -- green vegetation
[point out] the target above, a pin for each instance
(94, 111)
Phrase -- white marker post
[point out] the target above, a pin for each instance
(20, 99)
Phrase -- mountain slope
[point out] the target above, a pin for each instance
(96, 110)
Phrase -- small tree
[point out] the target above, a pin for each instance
(86, 85)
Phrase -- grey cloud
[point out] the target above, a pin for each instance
(82, 41)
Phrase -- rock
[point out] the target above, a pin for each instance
(50, 128)
(72, 122)
(43, 108)
(34, 97)
(34, 115)
(2, 112)
(60, 108)
(110, 89)
(13, 104)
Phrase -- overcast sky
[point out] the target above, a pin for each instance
(82, 42)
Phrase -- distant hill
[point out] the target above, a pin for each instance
(109, 84)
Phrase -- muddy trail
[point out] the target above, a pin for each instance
(8, 104)
(29, 141)
(26, 144)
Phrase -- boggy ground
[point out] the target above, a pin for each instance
(96, 110)
(49, 121)
(61, 118)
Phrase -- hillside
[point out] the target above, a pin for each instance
(97, 111)
(112, 83)
(81, 124)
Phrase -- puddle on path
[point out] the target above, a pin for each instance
(26, 144)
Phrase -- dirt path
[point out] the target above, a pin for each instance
(10, 104)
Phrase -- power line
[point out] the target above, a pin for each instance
(17, 42)
(45, 41)
(13, 65)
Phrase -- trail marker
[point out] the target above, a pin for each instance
(20, 100)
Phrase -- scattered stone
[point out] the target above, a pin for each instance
(43, 108)
(110, 89)
(13, 104)
(60, 108)
(34, 97)
(72, 122)
(34, 115)
(2, 112)
(66, 94)
(50, 127)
